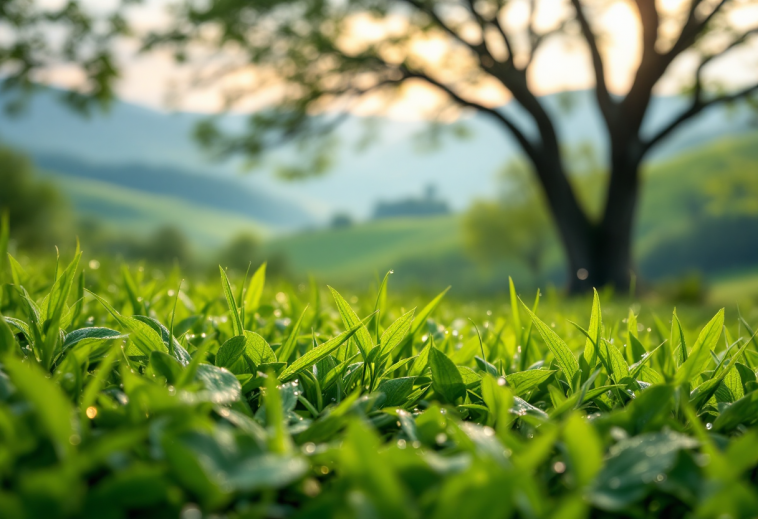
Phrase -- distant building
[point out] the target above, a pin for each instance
(428, 205)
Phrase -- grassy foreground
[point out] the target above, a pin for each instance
(130, 398)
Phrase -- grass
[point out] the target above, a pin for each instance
(123, 396)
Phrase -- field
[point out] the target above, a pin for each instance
(677, 211)
(122, 395)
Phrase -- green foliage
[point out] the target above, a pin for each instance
(40, 215)
(378, 410)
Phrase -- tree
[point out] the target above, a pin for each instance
(313, 51)
(39, 214)
(38, 36)
(316, 54)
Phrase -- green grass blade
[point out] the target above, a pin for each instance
(234, 313)
(557, 347)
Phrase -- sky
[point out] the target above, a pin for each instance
(150, 80)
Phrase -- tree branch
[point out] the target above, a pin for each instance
(479, 49)
(697, 106)
(527, 146)
(692, 28)
(601, 88)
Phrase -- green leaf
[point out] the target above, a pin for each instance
(594, 335)
(221, 386)
(142, 335)
(258, 349)
(279, 441)
(700, 354)
(56, 306)
(350, 318)
(231, 351)
(420, 319)
(558, 348)
(95, 333)
(446, 379)
(524, 381)
(234, 313)
(7, 338)
(396, 390)
(701, 394)
(499, 401)
(517, 328)
(288, 348)
(5, 234)
(634, 466)
(422, 361)
(255, 289)
(316, 354)
(395, 333)
(585, 449)
(50, 404)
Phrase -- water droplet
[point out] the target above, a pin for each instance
(501, 381)
(191, 512)
(91, 412)
(559, 467)
(709, 426)
(440, 438)
(309, 448)
(660, 477)
(401, 444)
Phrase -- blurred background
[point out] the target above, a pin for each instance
(142, 142)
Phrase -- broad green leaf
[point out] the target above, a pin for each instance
(230, 351)
(585, 449)
(633, 467)
(258, 349)
(614, 359)
(350, 318)
(101, 334)
(396, 390)
(700, 354)
(316, 354)
(558, 348)
(234, 313)
(446, 379)
(50, 404)
(221, 386)
(524, 381)
(255, 290)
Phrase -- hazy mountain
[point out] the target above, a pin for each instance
(152, 151)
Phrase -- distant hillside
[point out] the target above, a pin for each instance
(391, 168)
(676, 234)
(126, 211)
(216, 192)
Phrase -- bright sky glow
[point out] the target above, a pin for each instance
(560, 65)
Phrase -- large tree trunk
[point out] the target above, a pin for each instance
(598, 254)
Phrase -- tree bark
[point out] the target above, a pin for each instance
(598, 254)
